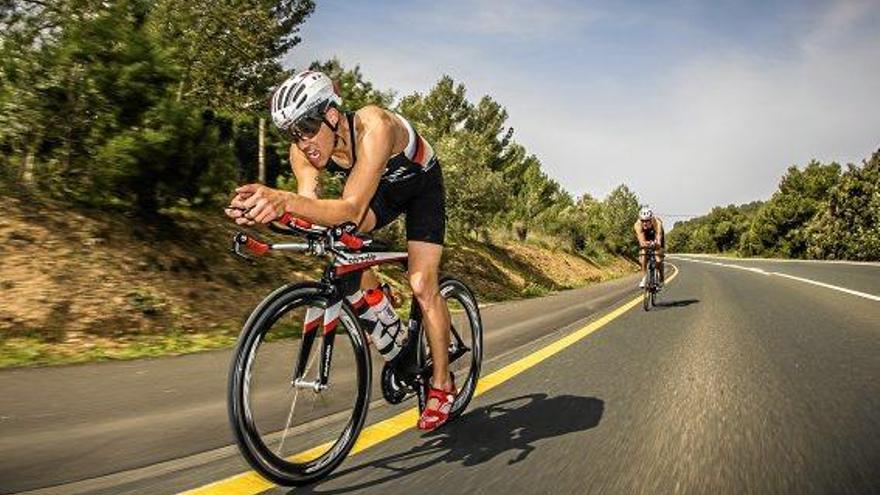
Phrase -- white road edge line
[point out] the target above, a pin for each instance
(865, 295)
(829, 286)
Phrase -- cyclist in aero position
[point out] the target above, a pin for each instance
(649, 229)
(389, 169)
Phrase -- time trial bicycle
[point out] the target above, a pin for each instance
(280, 403)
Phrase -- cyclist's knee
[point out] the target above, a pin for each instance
(424, 286)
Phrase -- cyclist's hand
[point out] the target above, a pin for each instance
(256, 203)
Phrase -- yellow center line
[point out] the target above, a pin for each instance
(251, 483)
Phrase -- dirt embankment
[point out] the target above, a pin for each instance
(84, 285)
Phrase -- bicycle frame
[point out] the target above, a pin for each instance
(339, 283)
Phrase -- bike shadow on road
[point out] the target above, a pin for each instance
(675, 304)
(512, 425)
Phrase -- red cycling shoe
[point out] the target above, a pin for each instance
(434, 418)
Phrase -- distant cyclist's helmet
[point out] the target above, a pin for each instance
(303, 98)
(646, 214)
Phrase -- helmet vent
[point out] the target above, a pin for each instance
(301, 100)
(279, 97)
(296, 94)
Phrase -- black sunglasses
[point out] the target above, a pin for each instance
(308, 126)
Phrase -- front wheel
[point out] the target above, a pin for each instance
(276, 395)
(648, 298)
(466, 343)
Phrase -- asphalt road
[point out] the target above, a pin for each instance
(740, 382)
(65, 424)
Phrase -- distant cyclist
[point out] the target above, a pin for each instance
(649, 232)
(389, 170)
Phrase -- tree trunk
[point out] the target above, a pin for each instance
(261, 153)
(27, 175)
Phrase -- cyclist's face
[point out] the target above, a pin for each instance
(314, 137)
(646, 223)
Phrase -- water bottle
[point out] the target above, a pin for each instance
(387, 332)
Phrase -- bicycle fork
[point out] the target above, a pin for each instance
(327, 320)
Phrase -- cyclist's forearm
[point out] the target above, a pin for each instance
(322, 211)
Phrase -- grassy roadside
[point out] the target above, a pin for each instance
(83, 285)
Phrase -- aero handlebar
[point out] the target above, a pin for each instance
(321, 240)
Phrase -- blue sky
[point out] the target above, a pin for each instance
(692, 104)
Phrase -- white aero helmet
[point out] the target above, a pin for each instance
(646, 213)
(309, 92)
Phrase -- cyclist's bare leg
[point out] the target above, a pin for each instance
(424, 278)
(659, 255)
(643, 260)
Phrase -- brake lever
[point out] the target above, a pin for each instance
(236, 251)
(242, 241)
(345, 234)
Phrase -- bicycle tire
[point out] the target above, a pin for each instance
(285, 471)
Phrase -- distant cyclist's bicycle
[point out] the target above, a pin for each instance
(652, 281)
(277, 394)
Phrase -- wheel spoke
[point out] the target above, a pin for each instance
(293, 404)
(289, 418)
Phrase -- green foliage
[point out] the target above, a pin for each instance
(533, 192)
(779, 228)
(474, 193)
(228, 64)
(620, 210)
(177, 154)
(590, 226)
(849, 227)
(138, 103)
(818, 212)
(440, 112)
(718, 231)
